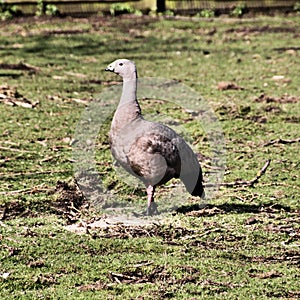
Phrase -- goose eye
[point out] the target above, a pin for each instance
(120, 64)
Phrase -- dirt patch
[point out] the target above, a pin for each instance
(167, 231)
(125, 23)
(64, 32)
(20, 66)
(273, 109)
(157, 273)
(291, 257)
(68, 193)
(227, 85)
(283, 99)
(68, 200)
(208, 211)
(120, 226)
(292, 119)
(147, 272)
(14, 209)
(211, 210)
(258, 119)
(165, 277)
(262, 29)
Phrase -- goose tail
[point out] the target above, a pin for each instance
(199, 189)
(193, 182)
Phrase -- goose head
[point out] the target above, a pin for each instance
(123, 67)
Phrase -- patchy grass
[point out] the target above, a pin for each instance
(244, 244)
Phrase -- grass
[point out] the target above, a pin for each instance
(243, 245)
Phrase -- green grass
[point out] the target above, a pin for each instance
(243, 245)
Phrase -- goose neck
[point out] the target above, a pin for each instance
(129, 91)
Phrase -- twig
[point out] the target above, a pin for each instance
(142, 264)
(285, 244)
(20, 66)
(118, 276)
(251, 182)
(35, 189)
(282, 141)
(244, 183)
(15, 150)
(249, 197)
(33, 173)
(4, 212)
(214, 283)
(281, 184)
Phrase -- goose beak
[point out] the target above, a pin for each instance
(110, 68)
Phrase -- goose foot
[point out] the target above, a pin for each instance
(152, 209)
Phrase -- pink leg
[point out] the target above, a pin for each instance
(150, 194)
(151, 207)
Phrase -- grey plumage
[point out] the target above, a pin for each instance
(150, 151)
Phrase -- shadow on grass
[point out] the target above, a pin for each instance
(233, 208)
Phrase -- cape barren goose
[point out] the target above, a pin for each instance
(150, 151)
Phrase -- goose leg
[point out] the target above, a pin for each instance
(152, 206)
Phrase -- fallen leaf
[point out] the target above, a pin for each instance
(226, 85)
(278, 77)
(56, 77)
(5, 275)
(66, 140)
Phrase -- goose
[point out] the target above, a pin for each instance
(150, 151)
